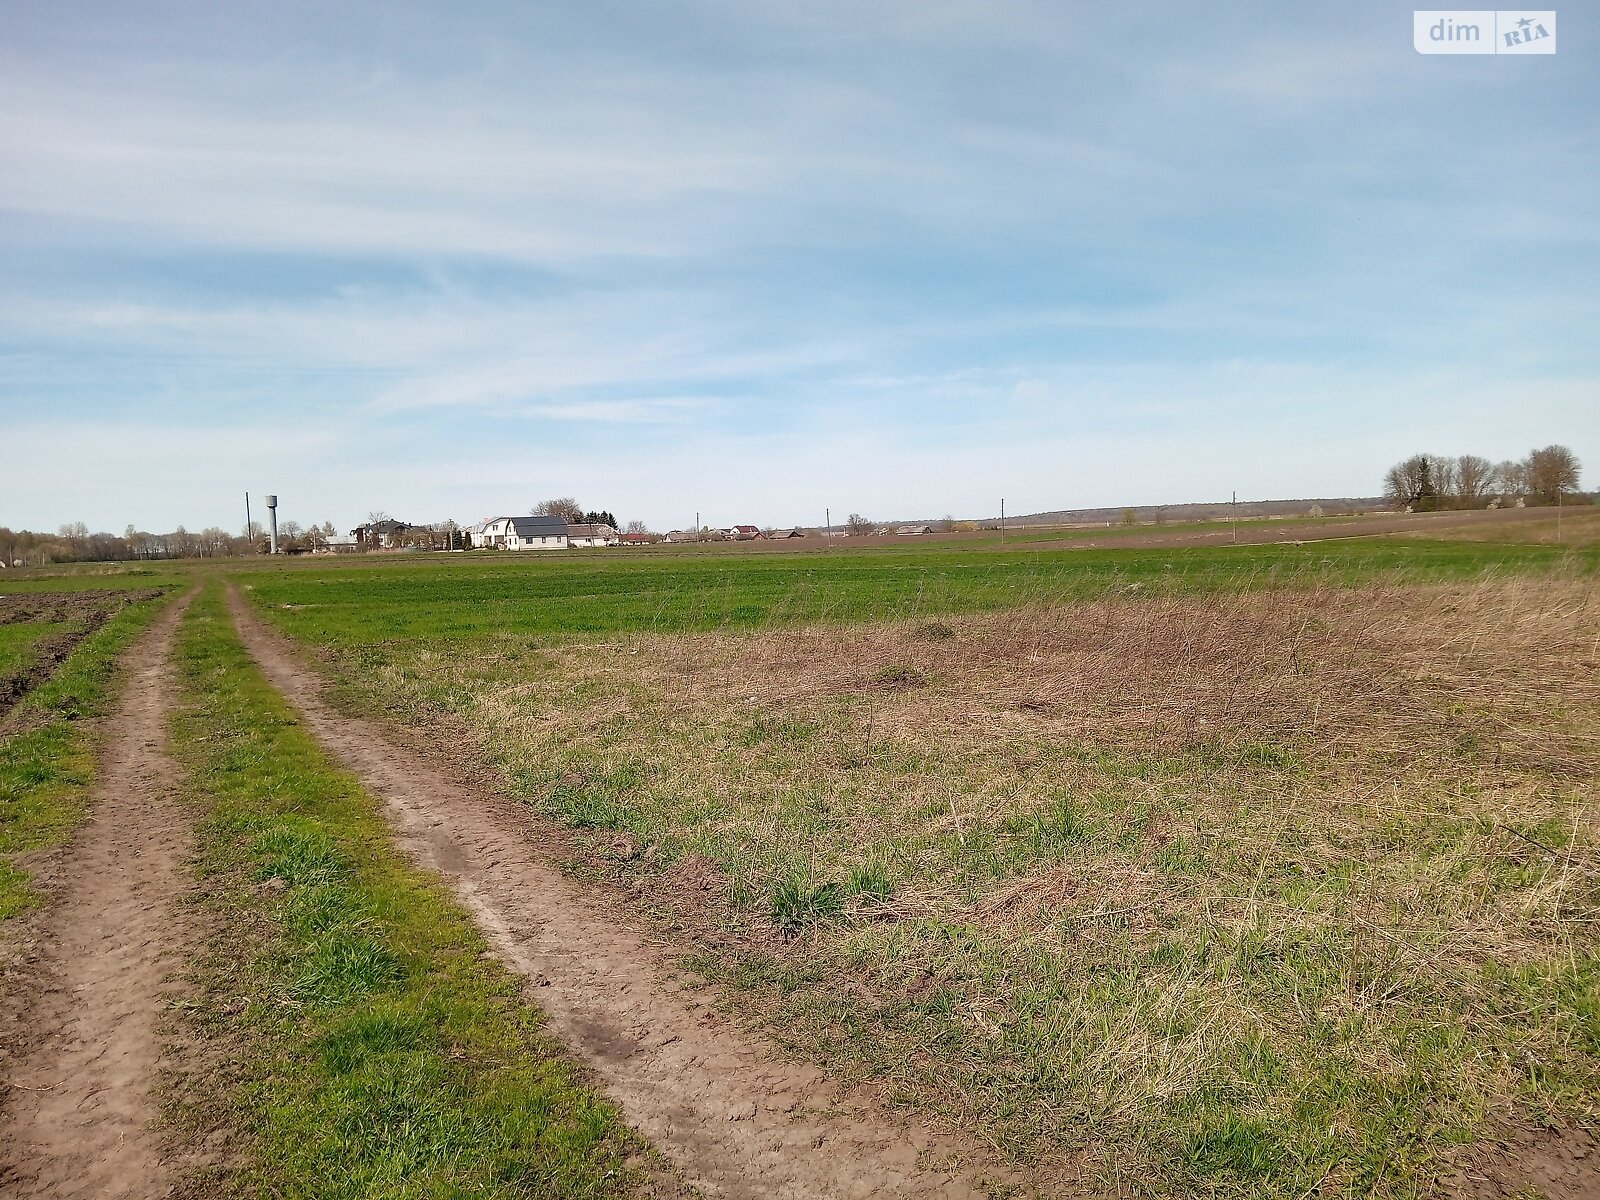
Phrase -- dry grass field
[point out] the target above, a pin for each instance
(1237, 894)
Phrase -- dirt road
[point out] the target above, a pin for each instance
(737, 1121)
(78, 1109)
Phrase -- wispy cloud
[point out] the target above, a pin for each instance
(909, 250)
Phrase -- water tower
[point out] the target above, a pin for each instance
(272, 510)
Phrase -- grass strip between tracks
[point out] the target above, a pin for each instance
(48, 751)
(353, 1037)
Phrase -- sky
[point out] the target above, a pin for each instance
(758, 260)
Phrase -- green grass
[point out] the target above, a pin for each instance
(456, 599)
(47, 763)
(17, 642)
(367, 1048)
(95, 577)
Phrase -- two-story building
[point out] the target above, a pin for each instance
(522, 533)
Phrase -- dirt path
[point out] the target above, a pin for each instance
(737, 1121)
(78, 1111)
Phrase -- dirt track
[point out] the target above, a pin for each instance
(78, 1112)
(737, 1121)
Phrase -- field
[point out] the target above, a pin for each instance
(358, 602)
(1267, 870)
(1245, 871)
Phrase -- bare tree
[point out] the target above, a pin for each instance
(1553, 473)
(1510, 478)
(1410, 484)
(857, 525)
(637, 527)
(1442, 475)
(1474, 479)
(561, 506)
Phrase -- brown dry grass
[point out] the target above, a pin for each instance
(1576, 527)
(1253, 890)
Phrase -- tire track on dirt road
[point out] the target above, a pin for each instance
(735, 1119)
(79, 1105)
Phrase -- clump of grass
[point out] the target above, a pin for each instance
(870, 882)
(1050, 832)
(372, 1048)
(798, 905)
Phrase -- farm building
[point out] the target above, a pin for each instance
(914, 530)
(591, 535)
(741, 533)
(337, 543)
(779, 534)
(522, 533)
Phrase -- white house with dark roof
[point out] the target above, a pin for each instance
(522, 533)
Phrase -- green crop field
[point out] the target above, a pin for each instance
(1238, 871)
(619, 592)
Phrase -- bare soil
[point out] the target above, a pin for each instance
(1029, 536)
(1550, 1164)
(87, 991)
(715, 1099)
(83, 611)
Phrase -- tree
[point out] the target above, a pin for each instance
(1410, 484)
(1510, 478)
(1552, 473)
(1442, 475)
(1474, 478)
(857, 525)
(561, 506)
(637, 527)
(377, 517)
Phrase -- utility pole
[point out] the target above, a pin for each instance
(249, 530)
(827, 529)
(1002, 520)
(1234, 508)
(697, 536)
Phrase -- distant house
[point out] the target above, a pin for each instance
(741, 533)
(914, 530)
(522, 533)
(591, 535)
(337, 543)
(380, 535)
(779, 534)
(640, 539)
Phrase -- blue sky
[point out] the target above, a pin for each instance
(758, 259)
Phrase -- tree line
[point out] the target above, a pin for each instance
(73, 542)
(1425, 482)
